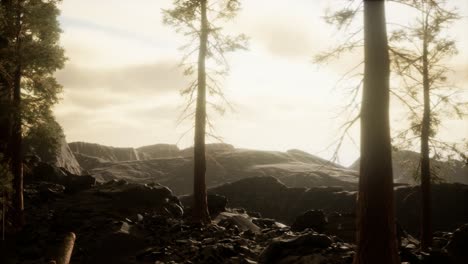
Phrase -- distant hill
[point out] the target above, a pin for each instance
(168, 165)
(406, 164)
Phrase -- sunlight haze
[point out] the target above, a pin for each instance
(121, 82)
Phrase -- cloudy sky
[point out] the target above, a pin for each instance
(121, 83)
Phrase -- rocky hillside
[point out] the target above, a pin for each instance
(225, 164)
(171, 166)
(406, 163)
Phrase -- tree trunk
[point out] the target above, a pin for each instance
(6, 91)
(16, 137)
(376, 235)
(16, 152)
(200, 206)
(426, 229)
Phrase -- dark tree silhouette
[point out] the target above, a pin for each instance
(28, 62)
(376, 237)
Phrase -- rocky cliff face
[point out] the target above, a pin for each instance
(103, 152)
(66, 159)
(63, 157)
(406, 164)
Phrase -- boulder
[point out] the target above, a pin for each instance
(314, 219)
(241, 221)
(119, 245)
(309, 244)
(72, 182)
(458, 245)
(216, 203)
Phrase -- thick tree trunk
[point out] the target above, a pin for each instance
(16, 137)
(6, 91)
(6, 99)
(200, 206)
(376, 236)
(16, 152)
(426, 215)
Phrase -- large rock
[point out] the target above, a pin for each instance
(458, 245)
(314, 219)
(50, 173)
(288, 251)
(216, 203)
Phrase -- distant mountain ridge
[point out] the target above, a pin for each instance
(168, 165)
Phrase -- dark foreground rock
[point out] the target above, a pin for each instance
(216, 203)
(123, 223)
(313, 219)
(273, 199)
(51, 173)
(126, 223)
(306, 248)
(458, 245)
(105, 219)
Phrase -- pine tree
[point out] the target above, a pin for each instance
(195, 19)
(419, 58)
(28, 62)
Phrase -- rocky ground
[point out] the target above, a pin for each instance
(121, 222)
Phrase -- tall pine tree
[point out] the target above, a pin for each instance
(196, 19)
(28, 63)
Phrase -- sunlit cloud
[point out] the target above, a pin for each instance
(121, 84)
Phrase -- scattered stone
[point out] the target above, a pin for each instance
(282, 250)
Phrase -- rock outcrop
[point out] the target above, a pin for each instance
(66, 159)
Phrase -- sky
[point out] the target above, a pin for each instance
(121, 82)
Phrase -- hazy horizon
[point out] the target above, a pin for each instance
(121, 83)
